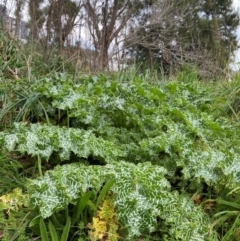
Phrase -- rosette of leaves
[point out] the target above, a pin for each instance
(141, 196)
(169, 125)
(44, 140)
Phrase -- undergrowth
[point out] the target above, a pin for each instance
(157, 154)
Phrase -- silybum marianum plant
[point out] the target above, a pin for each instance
(140, 195)
(159, 144)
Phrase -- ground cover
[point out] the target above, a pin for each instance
(119, 157)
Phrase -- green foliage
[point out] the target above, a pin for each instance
(228, 98)
(186, 32)
(20, 103)
(13, 220)
(150, 146)
(11, 57)
(214, 28)
(141, 194)
(10, 176)
(44, 140)
(74, 217)
(53, 232)
(227, 215)
(132, 121)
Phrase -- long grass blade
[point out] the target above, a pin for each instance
(230, 232)
(91, 205)
(53, 232)
(56, 221)
(45, 112)
(227, 203)
(104, 191)
(66, 230)
(43, 231)
(35, 221)
(81, 204)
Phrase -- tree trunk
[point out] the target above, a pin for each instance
(105, 21)
(103, 55)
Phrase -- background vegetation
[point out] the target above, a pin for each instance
(109, 35)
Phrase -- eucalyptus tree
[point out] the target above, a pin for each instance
(18, 14)
(54, 18)
(194, 32)
(106, 19)
(36, 18)
(61, 18)
(211, 26)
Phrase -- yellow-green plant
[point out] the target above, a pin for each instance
(105, 225)
(13, 220)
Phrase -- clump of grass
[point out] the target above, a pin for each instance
(18, 103)
(227, 98)
(11, 174)
(226, 218)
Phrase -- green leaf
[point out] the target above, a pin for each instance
(81, 204)
(92, 206)
(104, 191)
(158, 93)
(53, 232)
(214, 126)
(43, 230)
(35, 221)
(66, 230)
(39, 161)
(56, 222)
(228, 203)
(141, 194)
(172, 87)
